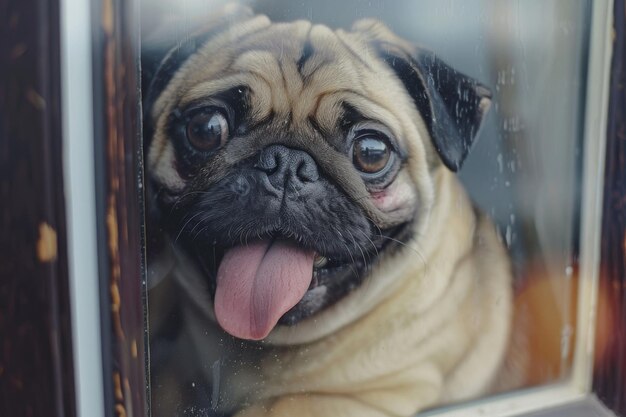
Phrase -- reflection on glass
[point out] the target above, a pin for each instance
(368, 216)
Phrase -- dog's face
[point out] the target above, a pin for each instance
(289, 159)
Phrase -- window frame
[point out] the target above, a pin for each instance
(117, 220)
(36, 353)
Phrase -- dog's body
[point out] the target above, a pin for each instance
(421, 316)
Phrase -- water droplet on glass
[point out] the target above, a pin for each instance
(566, 335)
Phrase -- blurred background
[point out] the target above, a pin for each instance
(525, 170)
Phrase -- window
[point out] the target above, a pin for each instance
(526, 171)
(535, 176)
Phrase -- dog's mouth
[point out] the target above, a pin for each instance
(275, 280)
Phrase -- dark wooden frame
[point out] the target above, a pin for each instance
(610, 373)
(118, 159)
(36, 362)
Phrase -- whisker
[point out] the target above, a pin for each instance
(199, 233)
(370, 240)
(180, 198)
(414, 249)
(344, 244)
(359, 247)
(185, 225)
(203, 220)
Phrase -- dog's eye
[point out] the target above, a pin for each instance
(370, 154)
(207, 131)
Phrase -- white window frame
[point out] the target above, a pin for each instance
(80, 203)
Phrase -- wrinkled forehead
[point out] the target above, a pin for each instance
(297, 69)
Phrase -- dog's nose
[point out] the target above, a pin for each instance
(283, 165)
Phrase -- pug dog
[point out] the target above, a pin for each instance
(322, 255)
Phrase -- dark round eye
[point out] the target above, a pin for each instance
(370, 154)
(207, 131)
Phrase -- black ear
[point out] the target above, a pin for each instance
(167, 49)
(163, 53)
(452, 104)
(158, 70)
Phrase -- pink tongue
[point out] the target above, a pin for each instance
(257, 284)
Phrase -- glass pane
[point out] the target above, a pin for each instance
(371, 215)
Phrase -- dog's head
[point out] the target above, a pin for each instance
(289, 159)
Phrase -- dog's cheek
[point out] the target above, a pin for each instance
(162, 167)
(399, 198)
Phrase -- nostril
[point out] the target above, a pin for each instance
(307, 171)
(269, 162)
